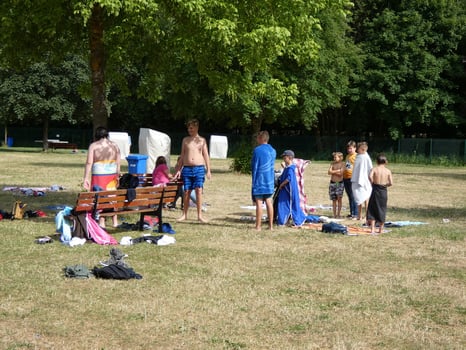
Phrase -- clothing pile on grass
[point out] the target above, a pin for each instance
(114, 268)
(20, 212)
(76, 230)
(33, 191)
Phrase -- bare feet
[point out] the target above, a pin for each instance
(258, 228)
(181, 218)
(202, 220)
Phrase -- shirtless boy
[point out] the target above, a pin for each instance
(194, 165)
(380, 178)
(336, 186)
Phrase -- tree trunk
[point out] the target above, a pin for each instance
(97, 63)
(45, 134)
(256, 124)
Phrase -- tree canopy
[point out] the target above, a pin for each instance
(375, 66)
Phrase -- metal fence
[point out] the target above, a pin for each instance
(304, 146)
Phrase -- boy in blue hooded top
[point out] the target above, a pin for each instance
(263, 177)
(288, 205)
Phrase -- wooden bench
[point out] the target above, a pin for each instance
(61, 145)
(147, 200)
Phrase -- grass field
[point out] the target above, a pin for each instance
(225, 286)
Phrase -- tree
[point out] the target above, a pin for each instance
(237, 48)
(412, 68)
(44, 92)
(240, 48)
(62, 27)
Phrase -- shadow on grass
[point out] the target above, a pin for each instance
(20, 150)
(58, 165)
(431, 212)
(440, 175)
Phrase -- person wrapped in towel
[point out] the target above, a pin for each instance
(102, 166)
(288, 200)
(381, 178)
(360, 184)
(263, 178)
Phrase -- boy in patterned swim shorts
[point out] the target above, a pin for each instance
(336, 186)
(194, 165)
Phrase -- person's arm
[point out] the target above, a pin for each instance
(205, 154)
(390, 179)
(88, 168)
(118, 158)
(179, 163)
(371, 175)
(166, 170)
(283, 184)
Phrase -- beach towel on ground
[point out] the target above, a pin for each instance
(97, 233)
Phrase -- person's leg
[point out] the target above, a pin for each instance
(258, 214)
(349, 192)
(365, 209)
(333, 198)
(354, 208)
(372, 225)
(381, 225)
(199, 204)
(339, 204)
(269, 206)
(184, 216)
(115, 220)
(187, 187)
(193, 197)
(359, 211)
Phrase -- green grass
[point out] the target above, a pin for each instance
(225, 286)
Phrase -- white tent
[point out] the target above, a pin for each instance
(218, 147)
(123, 141)
(153, 144)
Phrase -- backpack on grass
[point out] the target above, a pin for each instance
(18, 210)
(115, 272)
(333, 227)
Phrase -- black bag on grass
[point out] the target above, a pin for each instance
(115, 272)
(333, 227)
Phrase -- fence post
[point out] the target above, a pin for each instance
(430, 151)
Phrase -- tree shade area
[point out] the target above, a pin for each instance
(373, 68)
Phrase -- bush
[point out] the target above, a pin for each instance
(242, 159)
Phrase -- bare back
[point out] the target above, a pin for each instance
(380, 175)
(103, 150)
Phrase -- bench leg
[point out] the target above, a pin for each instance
(141, 222)
(158, 214)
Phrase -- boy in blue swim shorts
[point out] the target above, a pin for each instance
(194, 163)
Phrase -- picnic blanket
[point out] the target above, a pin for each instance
(352, 230)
